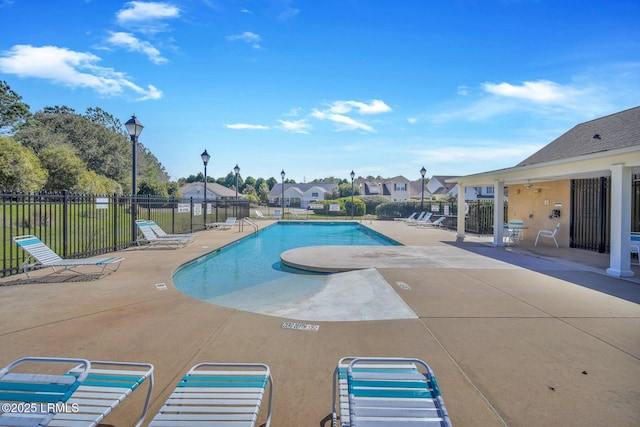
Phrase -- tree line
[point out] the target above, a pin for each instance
(57, 149)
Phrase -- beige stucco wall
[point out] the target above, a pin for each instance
(533, 206)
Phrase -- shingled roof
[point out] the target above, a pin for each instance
(611, 132)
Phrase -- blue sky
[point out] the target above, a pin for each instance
(322, 87)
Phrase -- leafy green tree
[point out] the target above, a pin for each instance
(66, 170)
(249, 189)
(249, 181)
(12, 110)
(151, 187)
(173, 189)
(271, 182)
(92, 183)
(20, 169)
(263, 191)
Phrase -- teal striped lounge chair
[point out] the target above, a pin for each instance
(217, 394)
(41, 255)
(386, 392)
(153, 240)
(83, 394)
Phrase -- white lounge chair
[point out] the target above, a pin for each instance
(259, 215)
(419, 218)
(431, 224)
(217, 394)
(161, 233)
(548, 233)
(41, 255)
(229, 223)
(409, 218)
(83, 393)
(153, 240)
(386, 392)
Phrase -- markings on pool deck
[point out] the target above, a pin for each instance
(404, 286)
(300, 326)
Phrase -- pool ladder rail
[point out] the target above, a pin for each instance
(247, 220)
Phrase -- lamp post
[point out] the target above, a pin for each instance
(237, 171)
(282, 174)
(423, 172)
(352, 174)
(205, 159)
(134, 128)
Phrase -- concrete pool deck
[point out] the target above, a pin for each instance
(551, 340)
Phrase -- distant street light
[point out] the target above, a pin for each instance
(353, 175)
(134, 127)
(282, 174)
(237, 171)
(423, 172)
(205, 159)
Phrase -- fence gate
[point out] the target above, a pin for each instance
(590, 214)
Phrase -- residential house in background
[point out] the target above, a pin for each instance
(299, 195)
(437, 188)
(215, 191)
(395, 189)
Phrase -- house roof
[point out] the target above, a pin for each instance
(276, 190)
(611, 132)
(576, 154)
(212, 188)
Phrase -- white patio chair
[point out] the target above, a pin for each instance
(548, 233)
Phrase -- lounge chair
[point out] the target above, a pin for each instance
(217, 394)
(409, 218)
(548, 233)
(419, 218)
(82, 394)
(387, 392)
(161, 233)
(41, 255)
(259, 215)
(229, 223)
(153, 240)
(431, 224)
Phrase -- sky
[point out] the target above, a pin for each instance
(319, 88)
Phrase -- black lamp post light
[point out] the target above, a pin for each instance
(282, 174)
(352, 175)
(205, 159)
(423, 172)
(237, 171)
(134, 128)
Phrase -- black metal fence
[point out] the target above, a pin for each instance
(81, 225)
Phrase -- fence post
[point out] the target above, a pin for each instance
(114, 222)
(65, 221)
(191, 215)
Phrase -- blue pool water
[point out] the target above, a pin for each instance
(253, 263)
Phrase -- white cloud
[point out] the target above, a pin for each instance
(541, 91)
(295, 126)
(138, 11)
(244, 126)
(344, 122)
(376, 106)
(71, 69)
(247, 37)
(132, 44)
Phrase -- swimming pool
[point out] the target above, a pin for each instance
(247, 274)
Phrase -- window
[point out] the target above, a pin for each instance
(314, 195)
(400, 187)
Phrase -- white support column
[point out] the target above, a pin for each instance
(498, 213)
(619, 258)
(460, 226)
